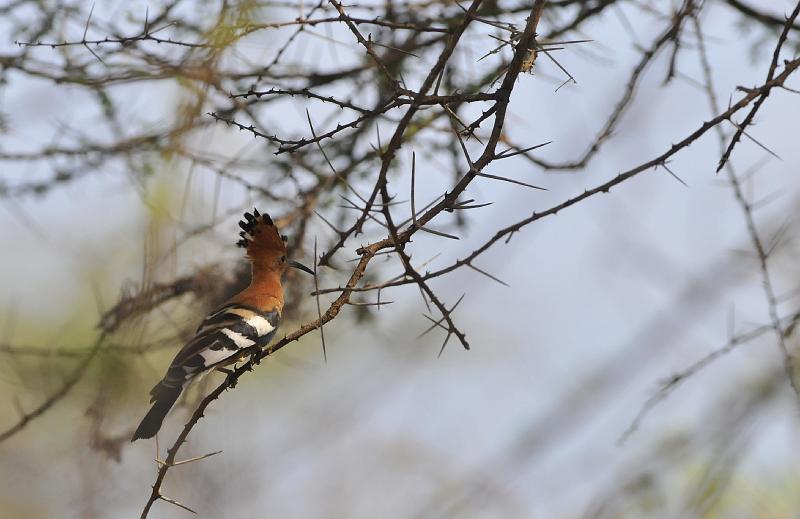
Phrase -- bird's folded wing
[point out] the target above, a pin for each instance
(221, 336)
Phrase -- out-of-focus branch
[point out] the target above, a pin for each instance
(69, 382)
(746, 207)
(677, 379)
(765, 18)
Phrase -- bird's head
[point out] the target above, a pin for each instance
(265, 246)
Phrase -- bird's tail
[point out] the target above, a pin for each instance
(164, 397)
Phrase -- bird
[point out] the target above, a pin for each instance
(247, 320)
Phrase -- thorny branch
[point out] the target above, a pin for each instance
(255, 358)
(778, 326)
(773, 66)
(790, 68)
(395, 68)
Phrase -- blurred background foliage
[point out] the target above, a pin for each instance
(122, 182)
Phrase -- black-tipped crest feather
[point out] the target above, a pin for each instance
(249, 227)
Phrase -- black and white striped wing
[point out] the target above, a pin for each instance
(220, 339)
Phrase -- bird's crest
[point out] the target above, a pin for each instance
(259, 234)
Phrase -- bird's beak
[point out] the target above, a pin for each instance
(300, 266)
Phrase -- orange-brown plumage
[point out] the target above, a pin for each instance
(266, 250)
(265, 291)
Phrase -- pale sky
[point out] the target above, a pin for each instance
(643, 279)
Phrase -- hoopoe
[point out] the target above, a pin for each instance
(248, 319)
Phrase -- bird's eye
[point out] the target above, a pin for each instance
(283, 259)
